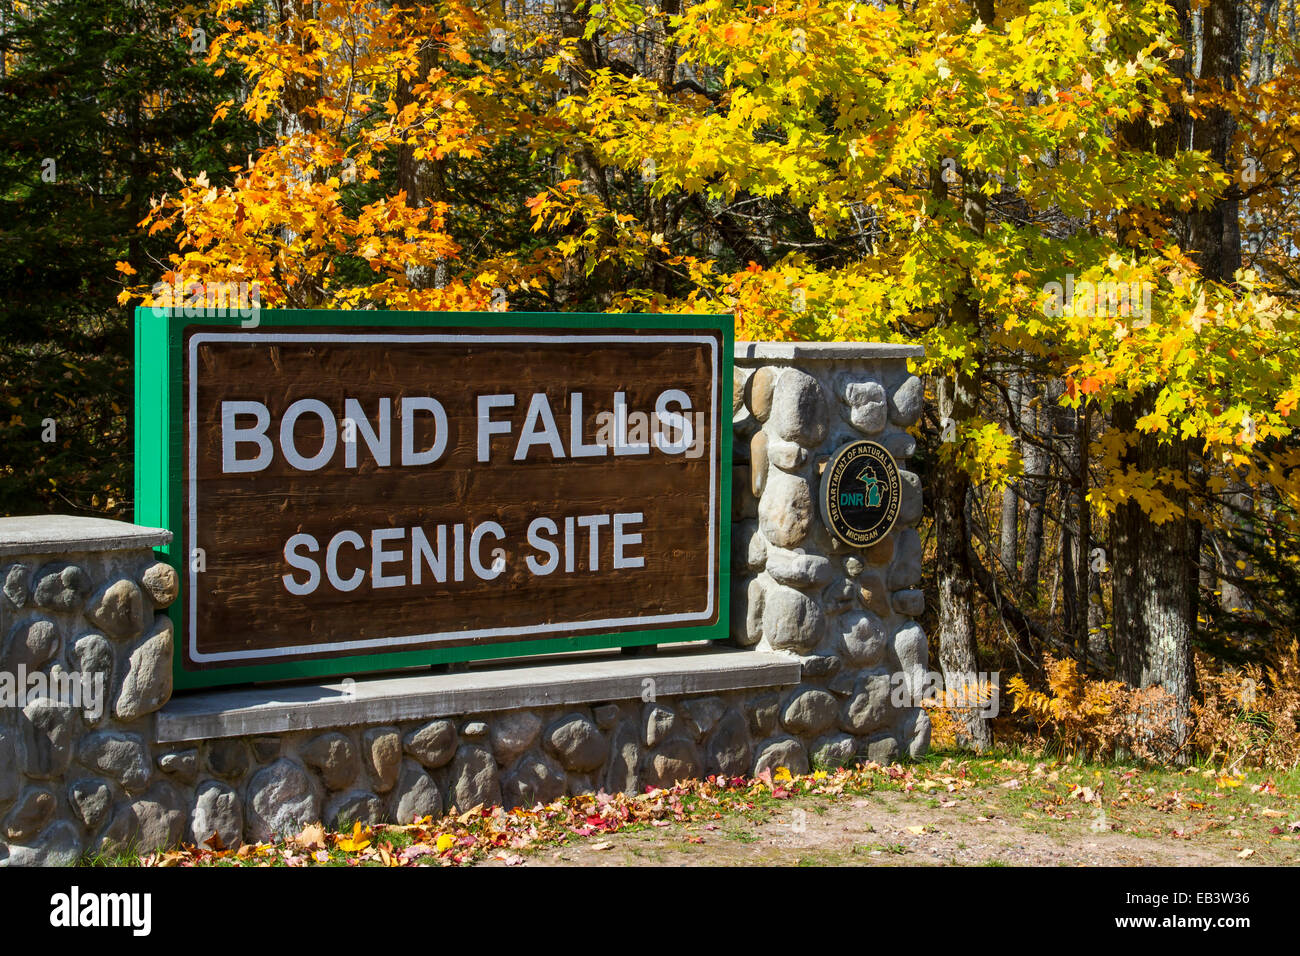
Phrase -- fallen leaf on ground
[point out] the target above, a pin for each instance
(358, 841)
(311, 838)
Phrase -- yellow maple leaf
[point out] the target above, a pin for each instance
(357, 842)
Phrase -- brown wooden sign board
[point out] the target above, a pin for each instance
(351, 492)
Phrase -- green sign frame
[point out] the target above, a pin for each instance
(160, 450)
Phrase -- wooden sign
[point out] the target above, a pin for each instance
(356, 491)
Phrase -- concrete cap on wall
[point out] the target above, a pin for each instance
(824, 351)
(48, 534)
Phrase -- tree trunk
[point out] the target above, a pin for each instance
(422, 179)
(958, 395)
(1234, 560)
(1150, 575)
(1213, 238)
(1213, 234)
(1154, 572)
(1068, 557)
(1009, 531)
(957, 646)
(296, 118)
(1074, 543)
(1035, 484)
(574, 19)
(1083, 527)
(1098, 636)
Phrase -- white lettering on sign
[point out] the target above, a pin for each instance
(626, 432)
(577, 447)
(434, 407)
(621, 444)
(378, 438)
(606, 543)
(676, 421)
(486, 427)
(232, 436)
(539, 429)
(288, 444)
(378, 442)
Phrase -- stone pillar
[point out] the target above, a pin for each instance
(849, 614)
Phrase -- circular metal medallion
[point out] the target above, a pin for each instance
(861, 493)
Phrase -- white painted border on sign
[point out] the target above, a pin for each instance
(407, 640)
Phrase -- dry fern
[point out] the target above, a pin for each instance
(1097, 718)
(1251, 716)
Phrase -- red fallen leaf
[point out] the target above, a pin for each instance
(1276, 831)
(695, 839)
(780, 793)
(417, 850)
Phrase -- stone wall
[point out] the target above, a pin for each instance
(75, 765)
(76, 782)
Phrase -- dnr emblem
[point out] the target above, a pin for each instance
(870, 498)
(861, 493)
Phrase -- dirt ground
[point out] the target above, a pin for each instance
(991, 824)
